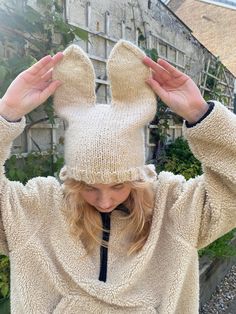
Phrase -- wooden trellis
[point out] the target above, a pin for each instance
(103, 37)
(167, 51)
(216, 81)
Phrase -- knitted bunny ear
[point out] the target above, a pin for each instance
(76, 72)
(128, 74)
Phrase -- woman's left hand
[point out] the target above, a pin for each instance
(177, 90)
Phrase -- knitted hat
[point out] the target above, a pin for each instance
(104, 143)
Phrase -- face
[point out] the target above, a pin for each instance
(105, 197)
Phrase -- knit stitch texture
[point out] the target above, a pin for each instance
(104, 143)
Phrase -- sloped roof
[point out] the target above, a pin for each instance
(213, 25)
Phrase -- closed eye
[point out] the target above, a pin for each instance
(118, 186)
(89, 189)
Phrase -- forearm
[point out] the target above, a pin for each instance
(8, 132)
(8, 113)
(213, 141)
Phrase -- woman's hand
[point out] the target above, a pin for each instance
(30, 89)
(177, 90)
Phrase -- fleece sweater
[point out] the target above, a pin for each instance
(50, 271)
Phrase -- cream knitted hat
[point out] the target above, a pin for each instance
(104, 143)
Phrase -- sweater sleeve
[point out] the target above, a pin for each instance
(8, 132)
(213, 142)
(22, 207)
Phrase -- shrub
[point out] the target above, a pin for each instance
(178, 158)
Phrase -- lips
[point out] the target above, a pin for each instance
(105, 210)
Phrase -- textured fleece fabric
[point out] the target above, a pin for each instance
(50, 271)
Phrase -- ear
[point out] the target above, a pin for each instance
(128, 74)
(76, 73)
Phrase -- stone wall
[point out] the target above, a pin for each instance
(126, 18)
(108, 21)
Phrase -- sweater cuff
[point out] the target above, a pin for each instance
(211, 106)
(13, 121)
(10, 130)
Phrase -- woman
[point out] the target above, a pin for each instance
(113, 238)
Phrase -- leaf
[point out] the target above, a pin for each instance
(21, 175)
(12, 173)
(5, 290)
(81, 33)
(152, 53)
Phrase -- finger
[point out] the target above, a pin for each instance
(57, 57)
(158, 90)
(160, 74)
(169, 68)
(41, 67)
(47, 76)
(38, 66)
(47, 92)
(54, 60)
(153, 65)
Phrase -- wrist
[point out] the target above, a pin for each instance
(210, 108)
(196, 114)
(7, 113)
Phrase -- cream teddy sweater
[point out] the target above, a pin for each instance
(50, 272)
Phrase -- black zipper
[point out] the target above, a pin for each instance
(106, 224)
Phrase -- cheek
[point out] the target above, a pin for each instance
(88, 197)
(122, 196)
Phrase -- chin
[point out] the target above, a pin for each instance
(107, 210)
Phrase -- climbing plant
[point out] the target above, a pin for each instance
(26, 35)
(30, 34)
(215, 83)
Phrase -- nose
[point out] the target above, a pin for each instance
(104, 201)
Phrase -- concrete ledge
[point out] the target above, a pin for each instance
(211, 274)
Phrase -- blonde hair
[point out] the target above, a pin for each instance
(85, 221)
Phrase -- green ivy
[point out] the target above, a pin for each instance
(34, 165)
(222, 247)
(178, 158)
(214, 89)
(33, 34)
(4, 277)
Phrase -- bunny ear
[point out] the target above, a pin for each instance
(76, 73)
(128, 74)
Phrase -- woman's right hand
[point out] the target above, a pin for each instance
(30, 89)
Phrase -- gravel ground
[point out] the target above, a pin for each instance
(223, 299)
